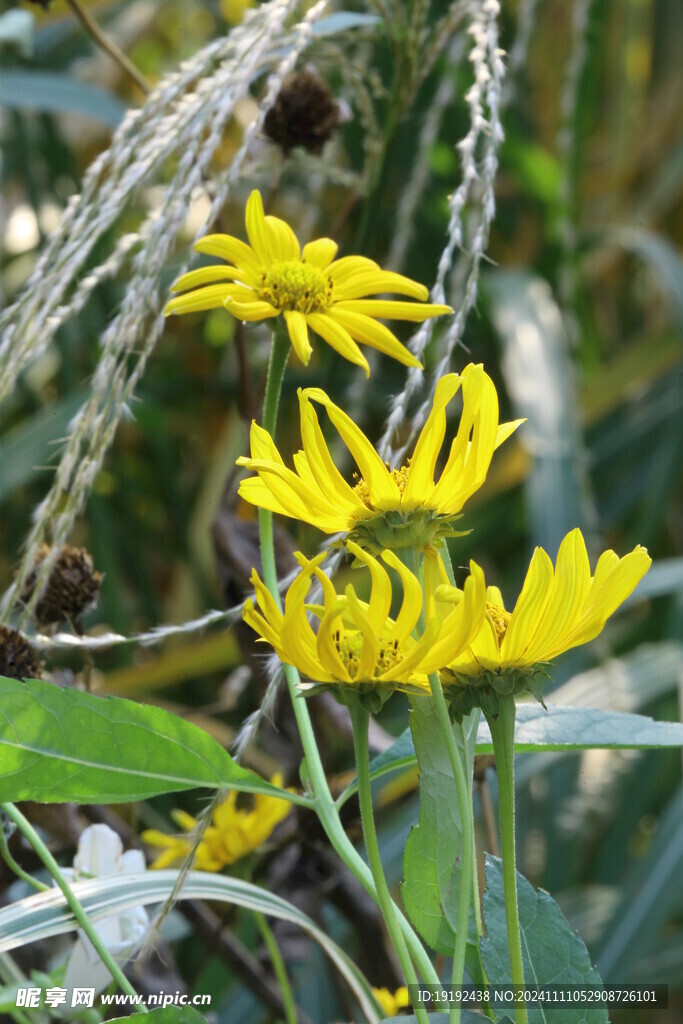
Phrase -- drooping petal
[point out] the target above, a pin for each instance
(207, 275)
(411, 605)
(250, 311)
(462, 625)
(298, 335)
(327, 648)
(383, 490)
(212, 297)
(323, 466)
(320, 252)
(380, 593)
(367, 663)
(566, 598)
(369, 332)
(338, 338)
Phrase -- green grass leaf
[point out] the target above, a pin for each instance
(54, 93)
(168, 1015)
(553, 954)
(59, 745)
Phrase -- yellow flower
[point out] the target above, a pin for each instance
(273, 275)
(391, 508)
(234, 832)
(392, 1002)
(556, 610)
(357, 645)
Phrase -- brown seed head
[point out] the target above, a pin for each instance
(304, 113)
(73, 586)
(18, 660)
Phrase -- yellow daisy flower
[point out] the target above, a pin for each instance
(392, 1002)
(387, 507)
(273, 276)
(233, 833)
(557, 609)
(356, 644)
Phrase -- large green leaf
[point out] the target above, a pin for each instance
(433, 853)
(45, 914)
(58, 745)
(557, 729)
(553, 954)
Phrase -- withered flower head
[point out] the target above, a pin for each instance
(18, 660)
(304, 113)
(73, 586)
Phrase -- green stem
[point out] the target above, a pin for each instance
(324, 802)
(467, 820)
(360, 720)
(503, 735)
(16, 868)
(279, 968)
(27, 829)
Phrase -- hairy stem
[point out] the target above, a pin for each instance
(503, 735)
(360, 721)
(324, 802)
(27, 829)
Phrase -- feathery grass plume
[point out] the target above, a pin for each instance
(173, 121)
(358, 650)
(386, 508)
(489, 69)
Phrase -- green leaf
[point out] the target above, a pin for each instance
(553, 954)
(42, 915)
(52, 93)
(432, 859)
(558, 728)
(59, 745)
(169, 1015)
(468, 1017)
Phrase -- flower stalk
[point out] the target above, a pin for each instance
(502, 728)
(360, 720)
(324, 802)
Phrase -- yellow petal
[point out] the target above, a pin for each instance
(506, 430)
(250, 311)
(320, 252)
(327, 648)
(462, 625)
(566, 598)
(231, 249)
(257, 230)
(338, 338)
(298, 335)
(370, 332)
(420, 482)
(348, 266)
(383, 490)
(391, 310)
(283, 242)
(380, 593)
(411, 605)
(528, 609)
(212, 297)
(613, 589)
(206, 275)
(414, 658)
(367, 663)
(329, 479)
(374, 282)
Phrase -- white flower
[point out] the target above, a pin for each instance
(100, 855)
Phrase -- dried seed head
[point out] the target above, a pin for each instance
(73, 586)
(18, 660)
(304, 113)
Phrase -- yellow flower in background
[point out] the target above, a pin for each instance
(392, 1002)
(356, 644)
(233, 833)
(234, 10)
(557, 609)
(274, 276)
(386, 508)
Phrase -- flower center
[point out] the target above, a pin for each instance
(349, 648)
(399, 476)
(293, 285)
(500, 619)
